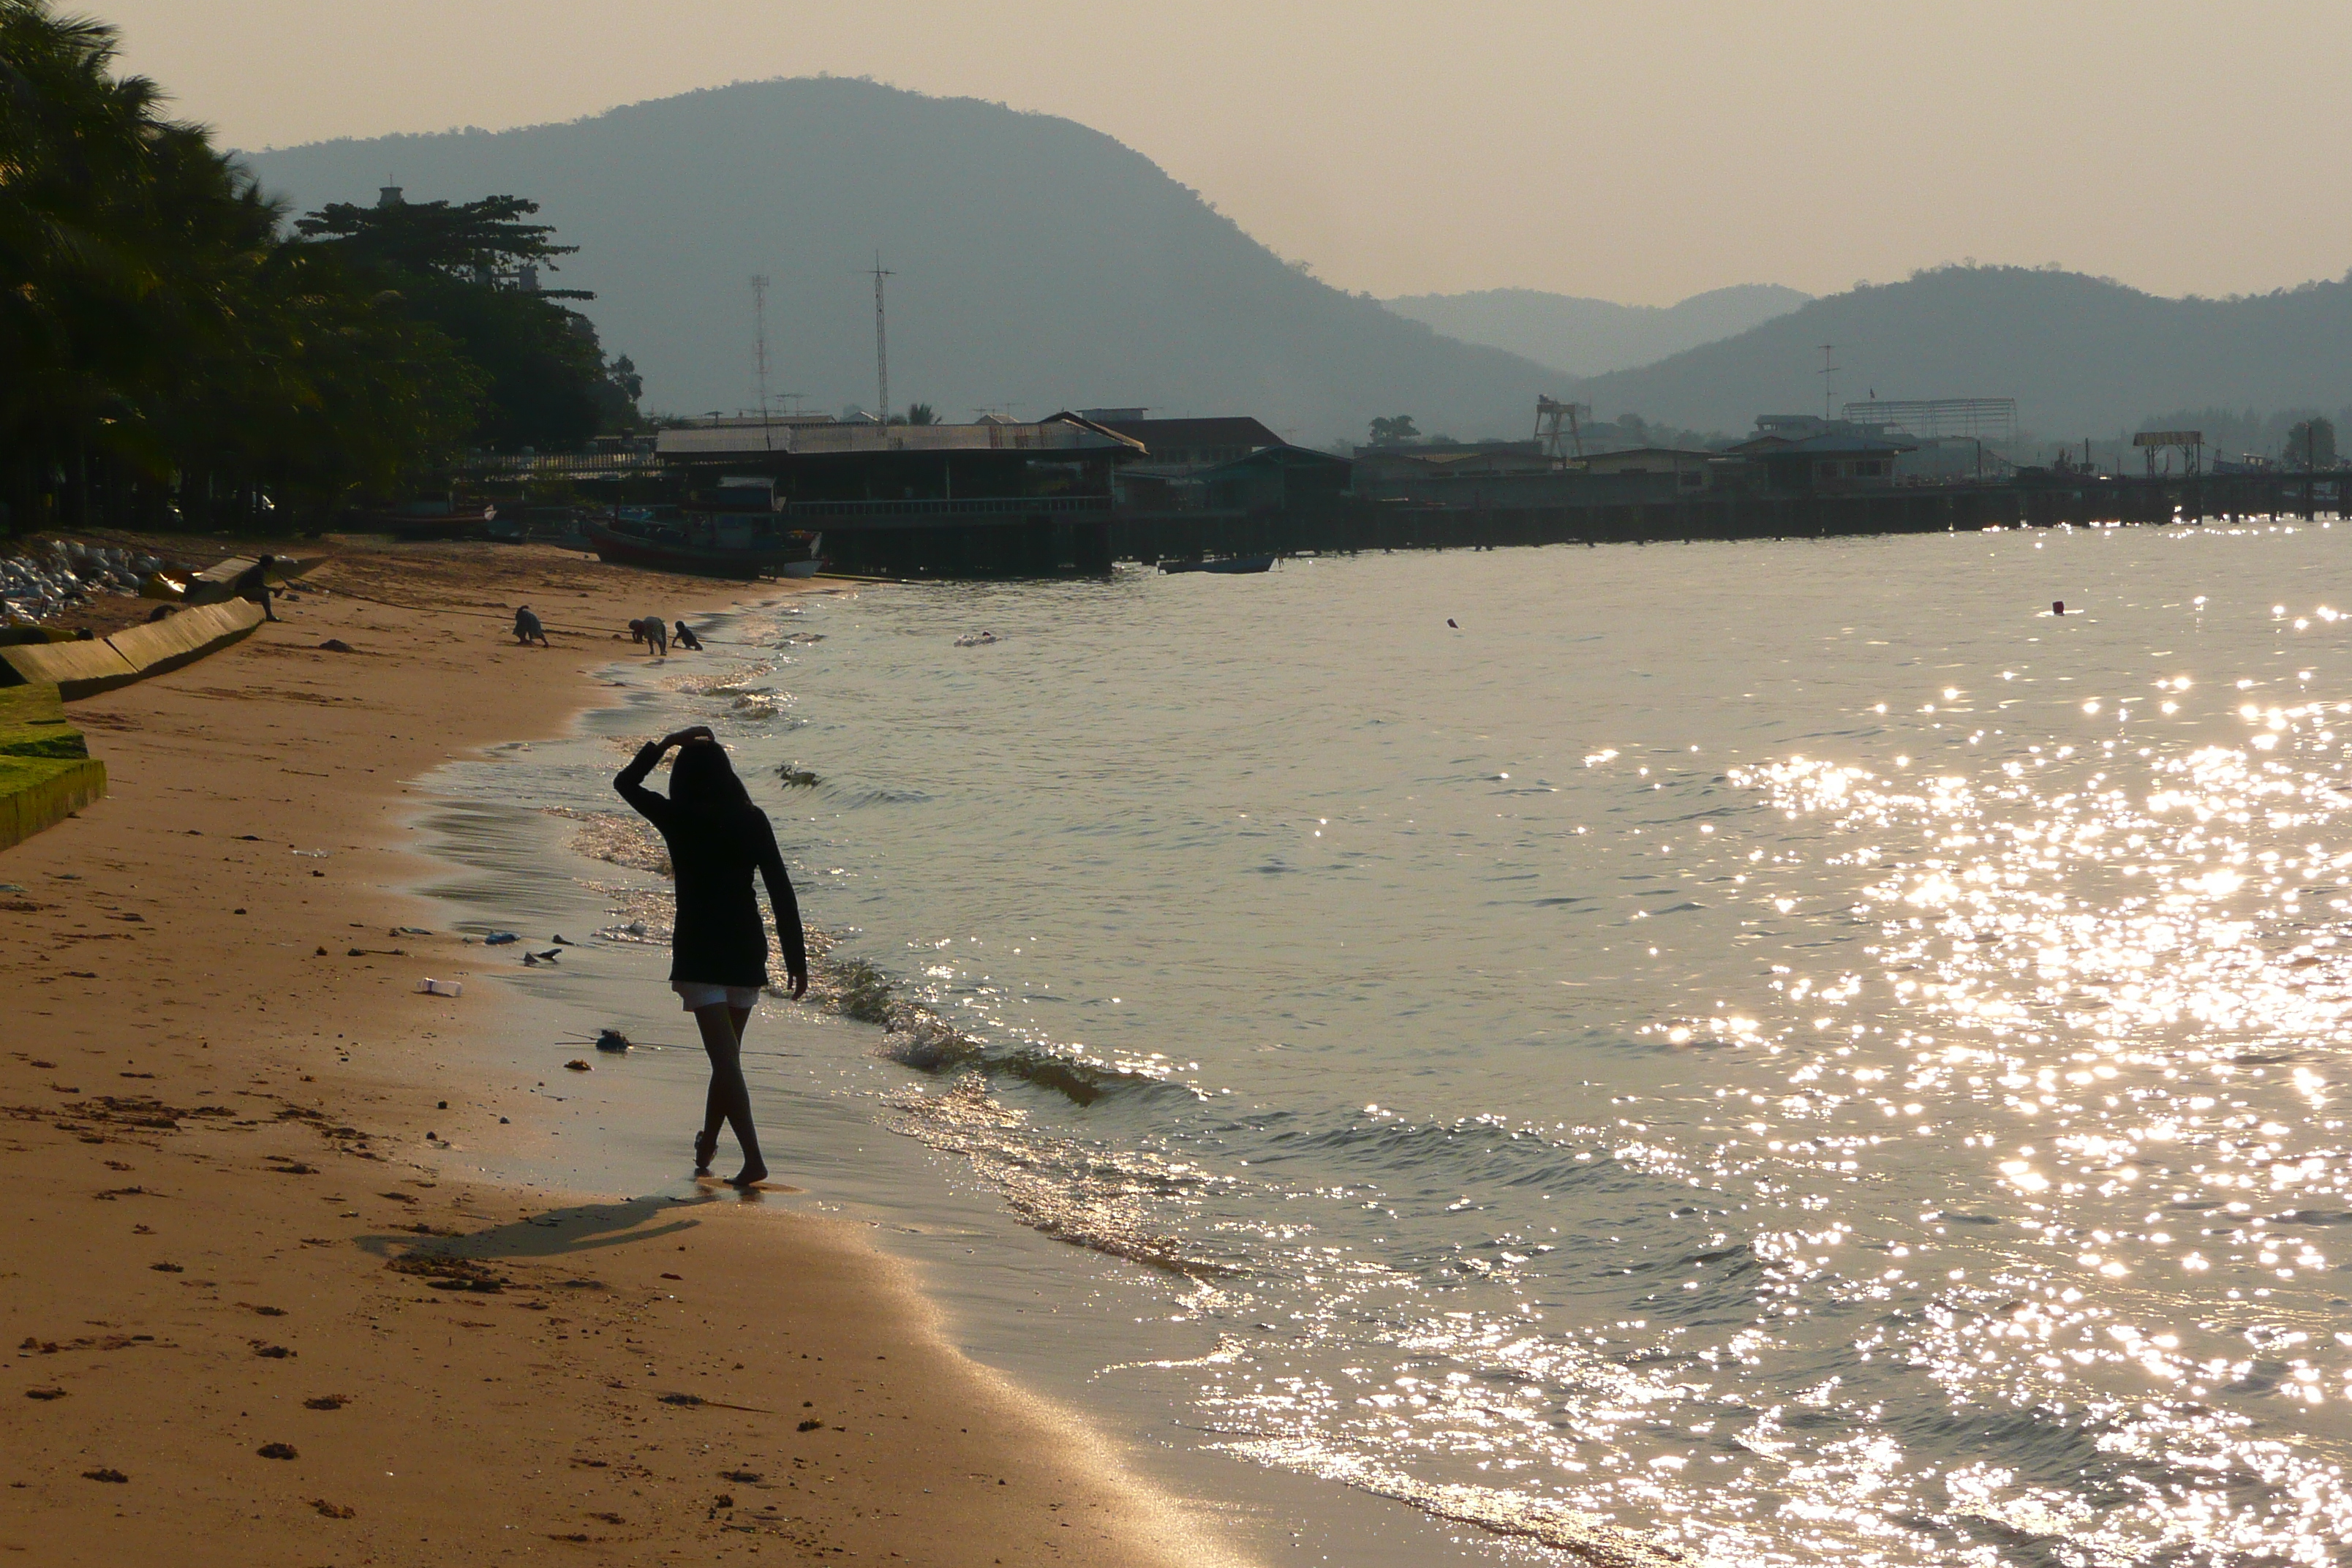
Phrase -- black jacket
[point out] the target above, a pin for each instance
(720, 939)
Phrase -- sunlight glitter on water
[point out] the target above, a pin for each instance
(1777, 1054)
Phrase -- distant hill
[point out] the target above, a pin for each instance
(1590, 337)
(1039, 264)
(2083, 356)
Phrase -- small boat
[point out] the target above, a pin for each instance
(667, 547)
(419, 528)
(807, 568)
(1231, 564)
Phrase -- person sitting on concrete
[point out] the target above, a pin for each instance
(527, 629)
(253, 584)
(685, 637)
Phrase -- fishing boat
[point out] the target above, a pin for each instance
(699, 548)
(1231, 564)
(444, 524)
(808, 567)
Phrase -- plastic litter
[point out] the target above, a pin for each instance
(500, 939)
(612, 1040)
(432, 987)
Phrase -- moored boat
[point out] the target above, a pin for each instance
(701, 552)
(1231, 564)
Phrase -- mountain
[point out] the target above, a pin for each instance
(2083, 356)
(1590, 337)
(1039, 264)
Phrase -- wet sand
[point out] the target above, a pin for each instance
(257, 1315)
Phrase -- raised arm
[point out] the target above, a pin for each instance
(788, 907)
(631, 784)
(631, 780)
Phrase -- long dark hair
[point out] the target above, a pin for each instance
(702, 780)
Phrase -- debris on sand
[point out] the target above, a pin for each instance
(444, 1272)
(612, 1040)
(278, 1451)
(327, 1402)
(45, 1394)
(116, 1476)
(336, 645)
(333, 1511)
(577, 1065)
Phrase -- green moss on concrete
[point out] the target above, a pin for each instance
(40, 792)
(45, 771)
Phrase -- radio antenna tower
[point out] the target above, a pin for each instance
(1829, 381)
(881, 344)
(760, 338)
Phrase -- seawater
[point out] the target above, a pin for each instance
(1767, 1053)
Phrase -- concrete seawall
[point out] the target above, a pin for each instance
(80, 669)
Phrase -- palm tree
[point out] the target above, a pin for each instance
(160, 326)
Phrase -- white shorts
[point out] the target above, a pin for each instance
(697, 996)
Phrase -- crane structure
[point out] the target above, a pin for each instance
(1549, 414)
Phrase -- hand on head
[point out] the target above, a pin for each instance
(696, 732)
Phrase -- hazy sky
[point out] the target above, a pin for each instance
(1634, 151)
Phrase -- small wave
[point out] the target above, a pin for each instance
(1089, 1197)
(1523, 1514)
(615, 839)
(915, 1037)
(715, 682)
(853, 799)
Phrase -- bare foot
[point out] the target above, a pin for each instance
(705, 1145)
(751, 1175)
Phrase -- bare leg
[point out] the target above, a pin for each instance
(714, 1107)
(730, 1098)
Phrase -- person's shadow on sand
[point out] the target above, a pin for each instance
(556, 1234)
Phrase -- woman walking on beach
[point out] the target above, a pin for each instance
(717, 837)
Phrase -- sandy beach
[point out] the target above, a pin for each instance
(257, 1319)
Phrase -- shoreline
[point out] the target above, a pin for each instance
(505, 1390)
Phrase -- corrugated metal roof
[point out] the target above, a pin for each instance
(700, 441)
(1184, 434)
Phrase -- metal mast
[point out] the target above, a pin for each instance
(1829, 381)
(760, 338)
(881, 344)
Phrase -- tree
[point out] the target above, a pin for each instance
(475, 242)
(1398, 431)
(2310, 444)
(921, 414)
(472, 270)
(163, 339)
